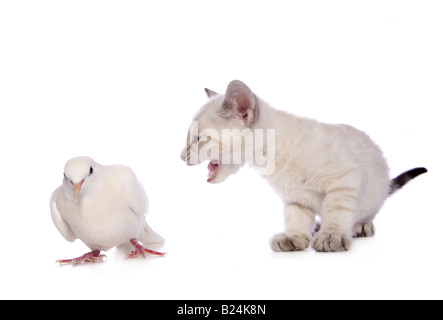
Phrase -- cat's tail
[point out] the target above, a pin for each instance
(401, 180)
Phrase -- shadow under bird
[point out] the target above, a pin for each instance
(104, 207)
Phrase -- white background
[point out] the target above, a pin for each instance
(120, 81)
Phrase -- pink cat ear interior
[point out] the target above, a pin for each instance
(240, 101)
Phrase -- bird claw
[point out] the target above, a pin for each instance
(141, 251)
(91, 257)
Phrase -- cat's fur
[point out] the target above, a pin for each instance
(332, 171)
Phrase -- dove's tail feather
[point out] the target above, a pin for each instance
(150, 236)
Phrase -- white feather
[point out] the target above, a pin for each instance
(111, 206)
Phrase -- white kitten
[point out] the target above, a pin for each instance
(333, 171)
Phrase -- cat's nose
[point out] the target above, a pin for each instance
(183, 155)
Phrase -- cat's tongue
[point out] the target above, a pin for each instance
(212, 167)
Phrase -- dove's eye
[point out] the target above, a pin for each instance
(91, 170)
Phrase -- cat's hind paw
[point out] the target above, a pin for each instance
(331, 242)
(363, 229)
(284, 243)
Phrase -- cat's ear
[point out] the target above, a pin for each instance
(239, 102)
(211, 93)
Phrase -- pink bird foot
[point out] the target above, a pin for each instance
(93, 257)
(141, 251)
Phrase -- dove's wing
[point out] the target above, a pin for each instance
(138, 202)
(62, 226)
(135, 193)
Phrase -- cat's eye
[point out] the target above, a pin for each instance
(91, 170)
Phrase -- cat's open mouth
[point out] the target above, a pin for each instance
(213, 168)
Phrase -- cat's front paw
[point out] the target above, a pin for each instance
(284, 243)
(325, 241)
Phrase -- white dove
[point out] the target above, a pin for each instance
(104, 207)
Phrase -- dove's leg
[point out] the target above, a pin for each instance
(140, 250)
(93, 256)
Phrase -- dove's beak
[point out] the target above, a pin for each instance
(77, 188)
